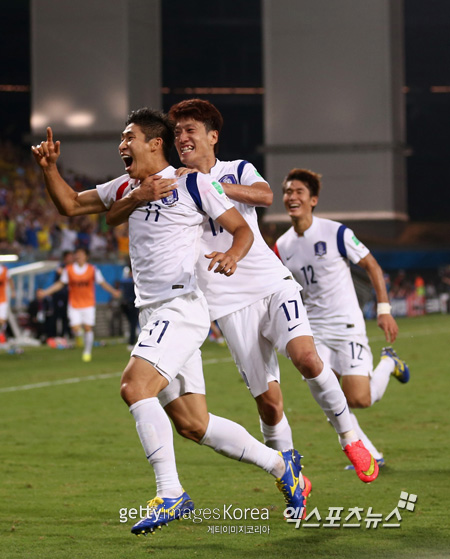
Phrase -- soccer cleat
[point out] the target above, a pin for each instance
(305, 492)
(401, 371)
(86, 357)
(160, 511)
(366, 467)
(380, 462)
(289, 484)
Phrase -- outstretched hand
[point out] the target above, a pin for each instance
(47, 153)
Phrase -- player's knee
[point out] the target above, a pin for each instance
(358, 400)
(127, 392)
(270, 411)
(308, 363)
(194, 430)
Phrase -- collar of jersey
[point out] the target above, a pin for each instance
(311, 229)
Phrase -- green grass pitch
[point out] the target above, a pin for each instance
(71, 459)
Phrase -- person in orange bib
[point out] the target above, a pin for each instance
(81, 277)
(5, 280)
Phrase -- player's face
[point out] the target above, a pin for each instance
(80, 257)
(136, 152)
(298, 200)
(194, 144)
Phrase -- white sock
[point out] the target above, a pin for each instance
(231, 439)
(380, 379)
(277, 436)
(88, 341)
(155, 431)
(364, 438)
(327, 392)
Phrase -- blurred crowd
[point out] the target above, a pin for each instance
(30, 225)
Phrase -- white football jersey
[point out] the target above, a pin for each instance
(319, 261)
(165, 235)
(259, 273)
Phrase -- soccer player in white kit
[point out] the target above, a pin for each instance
(318, 252)
(174, 317)
(261, 309)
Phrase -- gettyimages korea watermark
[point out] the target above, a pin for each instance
(226, 512)
(354, 517)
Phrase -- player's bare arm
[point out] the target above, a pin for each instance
(385, 321)
(151, 189)
(258, 194)
(67, 201)
(235, 224)
(116, 293)
(57, 286)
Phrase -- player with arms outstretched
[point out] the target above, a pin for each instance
(174, 318)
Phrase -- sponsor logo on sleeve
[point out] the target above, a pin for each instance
(218, 187)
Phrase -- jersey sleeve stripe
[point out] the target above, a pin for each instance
(120, 190)
(275, 249)
(240, 170)
(340, 241)
(191, 185)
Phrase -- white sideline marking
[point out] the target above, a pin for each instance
(90, 377)
(403, 335)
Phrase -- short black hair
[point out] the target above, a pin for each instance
(154, 124)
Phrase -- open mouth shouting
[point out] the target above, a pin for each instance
(128, 161)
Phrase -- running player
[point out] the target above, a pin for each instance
(259, 308)
(81, 277)
(5, 282)
(173, 314)
(318, 252)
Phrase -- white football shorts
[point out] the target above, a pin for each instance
(3, 311)
(254, 332)
(347, 352)
(172, 332)
(77, 317)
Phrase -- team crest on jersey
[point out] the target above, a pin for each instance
(229, 179)
(171, 199)
(320, 248)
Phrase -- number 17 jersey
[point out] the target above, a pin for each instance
(319, 260)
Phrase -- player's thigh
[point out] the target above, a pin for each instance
(88, 316)
(254, 355)
(286, 318)
(172, 332)
(189, 380)
(75, 317)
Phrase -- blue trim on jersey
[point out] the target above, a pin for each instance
(191, 185)
(240, 170)
(340, 241)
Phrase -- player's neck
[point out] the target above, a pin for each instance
(301, 224)
(204, 165)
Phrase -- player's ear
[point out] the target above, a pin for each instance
(213, 137)
(156, 144)
(314, 201)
